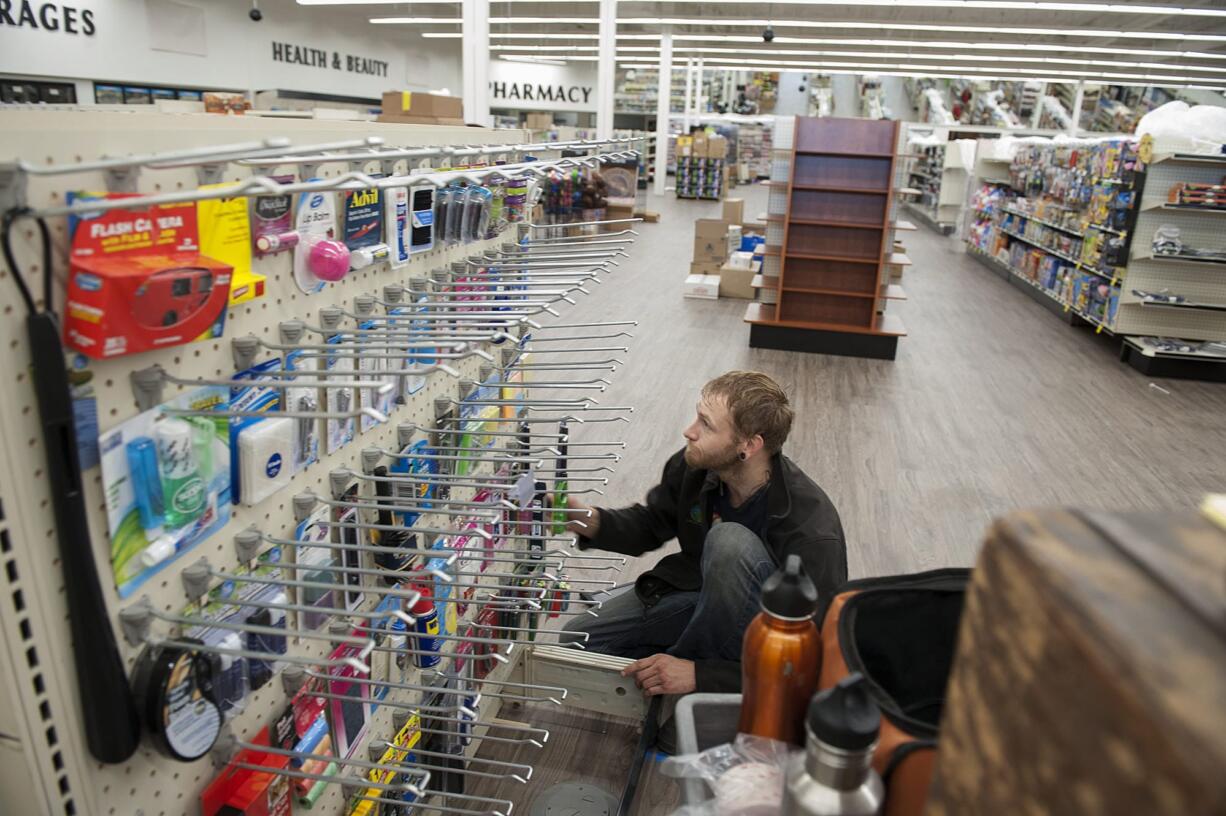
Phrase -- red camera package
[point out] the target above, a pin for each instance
(137, 281)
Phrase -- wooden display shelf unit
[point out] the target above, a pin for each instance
(837, 243)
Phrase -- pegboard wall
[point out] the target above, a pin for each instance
(42, 703)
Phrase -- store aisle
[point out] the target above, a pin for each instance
(993, 404)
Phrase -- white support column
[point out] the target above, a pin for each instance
(685, 109)
(606, 69)
(1037, 113)
(475, 27)
(1075, 118)
(699, 107)
(664, 99)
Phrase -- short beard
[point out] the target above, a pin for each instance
(714, 462)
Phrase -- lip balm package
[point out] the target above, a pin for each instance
(272, 221)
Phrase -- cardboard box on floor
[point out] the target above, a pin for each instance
(705, 287)
(616, 213)
(735, 282)
(705, 268)
(734, 210)
(710, 240)
(710, 249)
(711, 228)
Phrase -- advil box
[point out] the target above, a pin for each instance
(137, 281)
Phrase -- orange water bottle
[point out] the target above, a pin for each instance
(781, 657)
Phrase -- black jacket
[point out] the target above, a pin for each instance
(800, 519)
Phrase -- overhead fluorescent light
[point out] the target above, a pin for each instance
(567, 48)
(415, 20)
(1021, 57)
(493, 20)
(993, 5)
(885, 26)
(442, 35)
(536, 35)
(935, 70)
(630, 52)
(645, 66)
(825, 25)
(534, 60)
(966, 46)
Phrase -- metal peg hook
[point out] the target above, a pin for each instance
(330, 758)
(410, 596)
(276, 631)
(450, 554)
(266, 379)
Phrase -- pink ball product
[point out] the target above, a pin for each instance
(329, 259)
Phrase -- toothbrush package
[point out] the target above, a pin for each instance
(166, 478)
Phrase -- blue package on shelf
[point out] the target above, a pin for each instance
(748, 242)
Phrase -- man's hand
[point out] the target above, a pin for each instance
(576, 521)
(662, 674)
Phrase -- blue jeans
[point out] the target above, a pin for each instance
(707, 624)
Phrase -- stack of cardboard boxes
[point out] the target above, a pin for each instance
(720, 268)
(702, 169)
(413, 108)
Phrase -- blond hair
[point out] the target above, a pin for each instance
(757, 404)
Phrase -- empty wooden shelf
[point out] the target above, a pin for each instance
(837, 240)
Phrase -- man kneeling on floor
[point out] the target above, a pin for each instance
(738, 507)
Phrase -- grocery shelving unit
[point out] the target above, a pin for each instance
(941, 175)
(832, 239)
(1200, 281)
(1168, 311)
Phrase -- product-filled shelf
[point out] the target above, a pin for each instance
(1181, 259)
(1183, 208)
(1044, 222)
(1037, 245)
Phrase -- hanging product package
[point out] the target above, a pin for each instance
(166, 479)
(516, 202)
(363, 227)
(421, 202)
(138, 280)
(319, 257)
(396, 223)
(478, 207)
(225, 236)
(272, 221)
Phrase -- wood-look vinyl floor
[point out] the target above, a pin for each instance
(992, 405)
